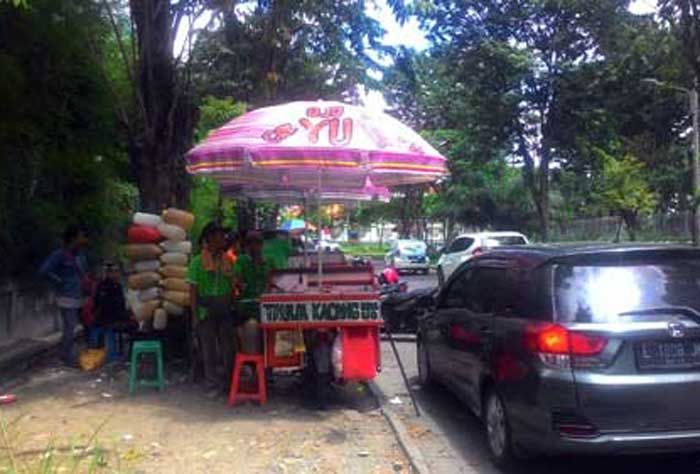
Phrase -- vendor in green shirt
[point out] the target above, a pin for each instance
(252, 275)
(277, 248)
(210, 276)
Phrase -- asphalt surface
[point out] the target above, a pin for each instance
(450, 439)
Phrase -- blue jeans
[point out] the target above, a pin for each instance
(70, 321)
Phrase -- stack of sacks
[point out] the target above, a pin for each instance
(158, 254)
(176, 251)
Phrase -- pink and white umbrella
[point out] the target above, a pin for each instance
(316, 145)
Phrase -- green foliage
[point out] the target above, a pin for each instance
(283, 51)
(62, 159)
(624, 189)
(214, 112)
(206, 201)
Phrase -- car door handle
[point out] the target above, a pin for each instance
(485, 330)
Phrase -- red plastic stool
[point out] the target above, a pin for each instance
(236, 394)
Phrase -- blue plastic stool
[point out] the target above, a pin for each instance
(146, 347)
(110, 336)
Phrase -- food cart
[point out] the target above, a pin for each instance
(323, 310)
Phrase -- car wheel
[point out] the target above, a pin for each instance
(440, 276)
(425, 376)
(498, 435)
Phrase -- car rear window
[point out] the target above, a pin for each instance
(460, 244)
(412, 247)
(600, 293)
(509, 240)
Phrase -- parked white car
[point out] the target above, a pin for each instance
(408, 254)
(328, 246)
(466, 246)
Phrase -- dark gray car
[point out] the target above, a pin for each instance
(581, 349)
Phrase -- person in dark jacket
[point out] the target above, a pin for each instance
(110, 306)
(66, 268)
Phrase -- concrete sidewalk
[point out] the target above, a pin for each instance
(423, 438)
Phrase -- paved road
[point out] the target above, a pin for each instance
(451, 439)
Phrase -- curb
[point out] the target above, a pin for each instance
(413, 453)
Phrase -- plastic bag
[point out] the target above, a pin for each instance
(146, 310)
(149, 220)
(172, 232)
(92, 359)
(146, 266)
(149, 295)
(178, 247)
(172, 258)
(160, 319)
(337, 356)
(141, 234)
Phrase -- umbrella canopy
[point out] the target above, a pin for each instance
(315, 145)
(290, 196)
(296, 224)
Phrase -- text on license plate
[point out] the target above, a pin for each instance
(668, 354)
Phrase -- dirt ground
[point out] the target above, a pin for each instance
(65, 418)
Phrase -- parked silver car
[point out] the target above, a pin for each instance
(580, 350)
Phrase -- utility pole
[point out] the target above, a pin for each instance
(695, 163)
(693, 95)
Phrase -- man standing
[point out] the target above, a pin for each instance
(210, 277)
(66, 268)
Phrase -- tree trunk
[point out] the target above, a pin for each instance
(631, 224)
(165, 108)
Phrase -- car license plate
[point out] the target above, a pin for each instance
(668, 355)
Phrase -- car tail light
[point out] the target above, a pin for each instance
(556, 345)
(477, 251)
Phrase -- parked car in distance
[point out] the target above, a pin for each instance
(572, 350)
(408, 255)
(465, 246)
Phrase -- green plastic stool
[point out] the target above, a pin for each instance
(146, 347)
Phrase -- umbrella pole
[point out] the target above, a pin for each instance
(320, 247)
(305, 241)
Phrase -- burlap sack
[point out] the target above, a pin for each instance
(179, 218)
(173, 309)
(142, 281)
(178, 297)
(175, 284)
(173, 271)
(143, 251)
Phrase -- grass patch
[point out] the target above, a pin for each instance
(79, 454)
(365, 250)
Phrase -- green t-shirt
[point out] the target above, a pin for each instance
(277, 251)
(215, 283)
(254, 277)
